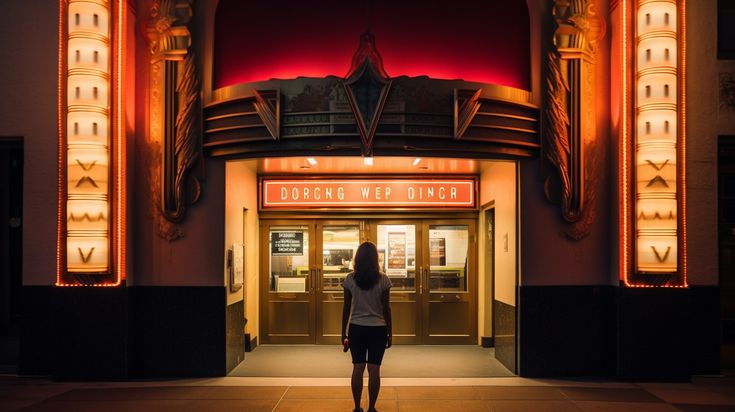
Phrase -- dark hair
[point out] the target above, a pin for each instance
(367, 271)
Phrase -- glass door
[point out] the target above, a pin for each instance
(448, 280)
(288, 282)
(337, 242)
(398, 258)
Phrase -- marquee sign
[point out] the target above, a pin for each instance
(367, 193)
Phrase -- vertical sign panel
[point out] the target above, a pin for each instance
(91, 146)
(657, 139)
(88, 136)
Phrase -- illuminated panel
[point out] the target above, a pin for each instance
(367, 193)
(89, 135)
(656, 137)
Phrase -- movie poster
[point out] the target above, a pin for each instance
(438, 251)
(396, 260)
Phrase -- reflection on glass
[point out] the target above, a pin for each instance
(448, 258)
(397, 255)
(339, 244)
(288, 250)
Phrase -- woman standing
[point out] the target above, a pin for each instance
(367, 306)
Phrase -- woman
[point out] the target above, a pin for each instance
(367, 305)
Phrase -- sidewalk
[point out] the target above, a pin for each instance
(703, 394)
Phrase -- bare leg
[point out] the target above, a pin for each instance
(373, 385)
(358, 369)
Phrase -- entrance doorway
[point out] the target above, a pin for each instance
(11, 245)
(431, 263)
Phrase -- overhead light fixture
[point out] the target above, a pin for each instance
(311, 161)
(368, 161)
(416, 161)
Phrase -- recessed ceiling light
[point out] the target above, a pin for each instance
(368, 161)
(416, 161)
(311, 161)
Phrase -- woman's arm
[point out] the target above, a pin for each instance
(346, 306)
(385, 299)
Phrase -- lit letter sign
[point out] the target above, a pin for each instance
(658, 139)
(88, 91)
(88, 137)
(367, 193)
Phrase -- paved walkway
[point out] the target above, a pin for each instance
(703, 394)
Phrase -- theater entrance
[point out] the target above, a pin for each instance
(430, 261)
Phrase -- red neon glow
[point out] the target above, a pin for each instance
(485, 42)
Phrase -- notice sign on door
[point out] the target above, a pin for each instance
(437, 251)
(287, 243)
(367, 193)
(397, 254)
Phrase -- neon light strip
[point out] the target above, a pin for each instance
(61, 149)
(682, 144)
(119, 145)
(624, 150)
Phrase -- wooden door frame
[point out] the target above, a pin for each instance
(368, 223)
(472, 281)
(265, 226)
(319, 293)
(372, 224)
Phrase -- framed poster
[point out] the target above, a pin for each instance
(438, 251)
(396, 255)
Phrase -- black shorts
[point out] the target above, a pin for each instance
(367, 342)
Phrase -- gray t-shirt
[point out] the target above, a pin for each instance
(367, 309)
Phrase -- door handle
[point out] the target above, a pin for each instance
(421, 280)
(427, 279)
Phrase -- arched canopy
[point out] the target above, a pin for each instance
(486, 42)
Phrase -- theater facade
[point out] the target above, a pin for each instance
(538, 177)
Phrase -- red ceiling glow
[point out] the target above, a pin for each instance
(485, 42)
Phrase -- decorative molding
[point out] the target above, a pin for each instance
(187, 146)
(466, 105)
(570, 111)
(268, 106)
(366, 79)
(175, 111)
(418, 119)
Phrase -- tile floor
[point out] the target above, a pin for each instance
(703, 394)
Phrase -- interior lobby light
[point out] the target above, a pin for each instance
(367, 161)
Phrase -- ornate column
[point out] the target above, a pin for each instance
(174, 118)
(570, 128)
